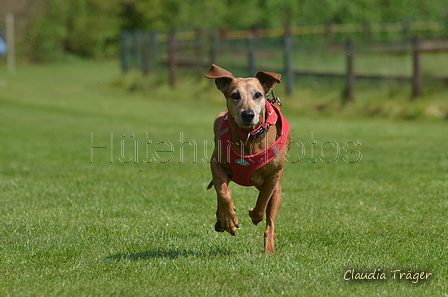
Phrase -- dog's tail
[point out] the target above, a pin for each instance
(210, 185)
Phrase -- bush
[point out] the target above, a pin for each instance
(83, 27)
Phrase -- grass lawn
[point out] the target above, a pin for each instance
(131, 216)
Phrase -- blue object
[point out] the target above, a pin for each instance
(2, 47)
(2, 43)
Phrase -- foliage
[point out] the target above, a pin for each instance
(47, 33)
(81, 27)
(91, 27)
(174, 14)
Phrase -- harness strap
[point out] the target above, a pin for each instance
(243, 166)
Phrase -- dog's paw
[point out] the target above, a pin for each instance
(256, 218)
(227, 222)
(219, 227)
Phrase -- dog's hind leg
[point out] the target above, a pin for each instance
(271, 215)
(266, 191)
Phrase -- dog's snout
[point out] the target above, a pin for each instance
(247, 115)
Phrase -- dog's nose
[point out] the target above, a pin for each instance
(247, 115)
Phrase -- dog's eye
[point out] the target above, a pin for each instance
(258, 95)
(235, 96)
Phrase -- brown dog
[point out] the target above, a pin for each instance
(251, 143)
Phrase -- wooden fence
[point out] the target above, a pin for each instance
(198, 49)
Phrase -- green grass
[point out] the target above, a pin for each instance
(73, 228)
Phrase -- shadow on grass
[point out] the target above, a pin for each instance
(168, 254)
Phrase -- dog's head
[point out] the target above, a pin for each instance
(246, 97)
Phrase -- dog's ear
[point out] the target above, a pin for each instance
(268, 80)
(222, 77)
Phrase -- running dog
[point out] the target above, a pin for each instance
(252, 140)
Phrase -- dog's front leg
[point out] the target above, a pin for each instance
(226, 219)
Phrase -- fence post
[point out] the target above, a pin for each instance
(417, 71)
(251, 55)
(149, 51)
(213, 47)
(199, 51)
(136, 53)
(11, 43)
(223, 41)
(350, 90)
(223, 33)
(252, 42)
(145, 53)
(446, 26)
(172, 62)
(124, 52)
(407, 30)
(329, 32)
(367, 31)
(289, 69)
(256, 29)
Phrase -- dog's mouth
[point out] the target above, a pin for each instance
(247, 127)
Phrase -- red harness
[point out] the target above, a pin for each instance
(243, 166)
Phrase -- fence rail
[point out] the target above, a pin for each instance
(329, 28)
(199, 48)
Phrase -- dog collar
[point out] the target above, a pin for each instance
(271, 119)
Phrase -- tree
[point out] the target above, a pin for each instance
(81, 27)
